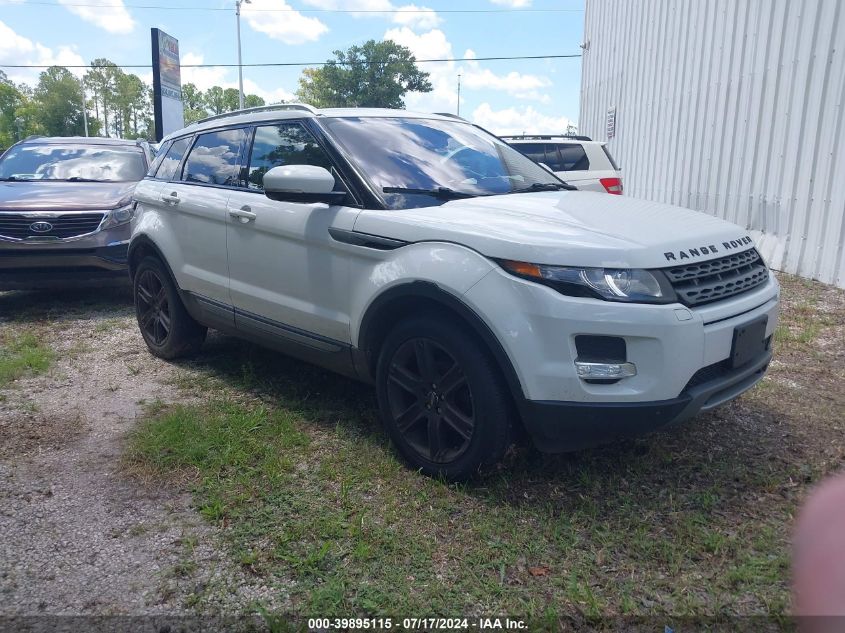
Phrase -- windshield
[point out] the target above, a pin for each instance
(434, 160)
(72, 162)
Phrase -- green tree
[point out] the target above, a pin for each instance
(10, 100)
(101, 80)
(215, 101)
(192, 97)
(253, 101)
(130, 100)
(59, 97)
(375, 74)
(231, 100)
(193, 102)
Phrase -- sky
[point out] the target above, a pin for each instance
(505, 96)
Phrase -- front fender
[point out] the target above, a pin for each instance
(454, 269)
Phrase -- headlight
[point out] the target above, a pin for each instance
(119, 216)
(611, 284)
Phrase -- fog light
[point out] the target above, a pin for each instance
(592, 371)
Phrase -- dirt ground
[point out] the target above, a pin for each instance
(79, 537)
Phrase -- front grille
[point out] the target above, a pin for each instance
(706, 374)
(705, 282)
(19, 227)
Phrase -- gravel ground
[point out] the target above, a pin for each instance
(79, 536)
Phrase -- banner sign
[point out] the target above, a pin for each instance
(167, 84)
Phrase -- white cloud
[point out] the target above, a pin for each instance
(443, 76)
(205, 78)
(202, 78)
(518, 120)
(513, 83)
(433, 44)
(110, 15)
(270, 96)
(277, 20)
(513, 4)
(16, 49)
(415, 17)
(410, 15)
(351, 5)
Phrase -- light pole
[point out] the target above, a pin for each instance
(459, 94)
(240, 66)
(84, 106)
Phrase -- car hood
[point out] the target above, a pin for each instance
(54, 195)
(577, 228)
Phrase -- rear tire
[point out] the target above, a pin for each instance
(442, 399)
(168, 330)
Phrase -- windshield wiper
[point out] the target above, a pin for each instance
(546, 186)
(16, 179)
(441, 192)
(80, 179)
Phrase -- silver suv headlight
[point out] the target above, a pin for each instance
(119, 216)
(632, 285)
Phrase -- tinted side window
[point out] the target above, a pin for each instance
(162, 151)
(553, 158)
(215, 158)
(170, 163)
(574, 158)
(284, 144)
(534, 151)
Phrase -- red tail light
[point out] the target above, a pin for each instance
(612, 185)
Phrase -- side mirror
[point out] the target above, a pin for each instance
(301, 183)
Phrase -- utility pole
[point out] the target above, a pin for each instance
(84, 106)
(459, 94)
(240, 65)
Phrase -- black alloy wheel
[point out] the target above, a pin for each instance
(443, 400)
(431, 400)
(167, 328)
(153, 307)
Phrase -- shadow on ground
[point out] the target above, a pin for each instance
(34, 306)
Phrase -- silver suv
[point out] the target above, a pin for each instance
(477, 291)
(65, 208)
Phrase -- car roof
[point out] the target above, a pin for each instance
(283, 111)
(549, 138)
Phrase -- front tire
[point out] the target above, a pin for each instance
(442, 399)
(167, 328)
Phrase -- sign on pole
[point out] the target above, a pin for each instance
(167, 84)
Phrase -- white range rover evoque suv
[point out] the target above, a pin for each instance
(480, 294)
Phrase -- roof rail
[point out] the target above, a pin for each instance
(450, 115)
(264, 108)
(546, 137)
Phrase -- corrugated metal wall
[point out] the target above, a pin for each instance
(733, 107)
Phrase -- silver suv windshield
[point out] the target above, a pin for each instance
(422, 162)
(81, 163)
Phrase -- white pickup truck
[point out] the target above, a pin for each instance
(477, 291)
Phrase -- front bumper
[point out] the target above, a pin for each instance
(681, 357)
(36, 268)
(557, 427)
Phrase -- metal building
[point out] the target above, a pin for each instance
(733, 107)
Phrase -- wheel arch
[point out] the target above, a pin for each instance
(143, 246)
(410, 298)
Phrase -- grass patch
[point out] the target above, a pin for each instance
(692, 522)
(22, 354)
